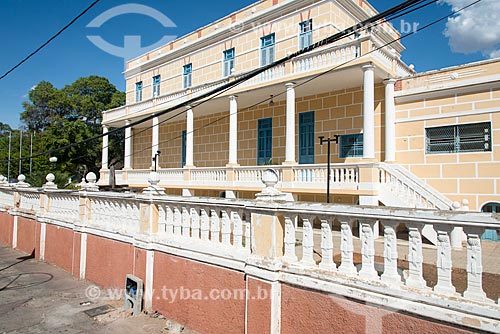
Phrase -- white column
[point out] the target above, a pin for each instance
(290, 124)
(390, 118)
(155, 139)
(105, 143)
(368, 112)
(189, 137)
(128, 146)
(233, 130)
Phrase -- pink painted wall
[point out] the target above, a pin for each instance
(108, 261)
(208, 315)
(259, 307)
(26, 236)
(6, 229)
(304, 311)
(59, 247)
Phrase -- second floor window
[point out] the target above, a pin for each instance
(187, 76)
(156, 86)
(267, 49)
(305, 34)
(138, 91)
(228, 63)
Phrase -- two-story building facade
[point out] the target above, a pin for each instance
(402, 138)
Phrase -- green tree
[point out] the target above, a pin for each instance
(64, 116)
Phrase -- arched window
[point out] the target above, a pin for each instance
(491, 234)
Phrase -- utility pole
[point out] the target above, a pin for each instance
(20, 152)
(31, 152)
(322, 140)
(8, 162)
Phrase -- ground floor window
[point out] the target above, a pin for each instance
(264, 141)
(351, 145)
(491, 234)
(306, 137)
(183, 136)
(459, 138)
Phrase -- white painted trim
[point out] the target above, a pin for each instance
(276, 307)
(43, 234)
(83, 255)
(148, 294)
(14, 233)
(448, 115)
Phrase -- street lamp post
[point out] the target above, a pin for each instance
(329, 140)
(8, 162)
(155, 159)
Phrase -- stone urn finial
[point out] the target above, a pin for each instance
(3, 181)
(50, 185)
(91, 179)
(21, 182)
(154, 188)
(270, 178)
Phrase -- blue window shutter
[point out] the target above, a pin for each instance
(264, 141)
(183, 135)
(306, 137)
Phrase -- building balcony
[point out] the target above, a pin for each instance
(338, 57)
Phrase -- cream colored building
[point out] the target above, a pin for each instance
(405, 138)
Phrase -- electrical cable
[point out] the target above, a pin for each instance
(50, 39)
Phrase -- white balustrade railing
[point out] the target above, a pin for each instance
(341, 175)
(409, 190)
(170, 176)
(63, 205)
(215, 225)
(252, 176)
(6, 198)
(30, 200)
(115, 214)
(324, 233)
(331, 56)
(211, 176)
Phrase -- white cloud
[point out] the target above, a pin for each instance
(475, 29)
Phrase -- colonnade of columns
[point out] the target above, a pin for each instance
(290, 150)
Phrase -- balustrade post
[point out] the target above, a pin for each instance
(475, 266)
(307, 243)
(444, 264)
(326, 246)
(290, 240)
(415, 258)
(347, 248)
(367, 250)
(390, 274)
(205, 225)
(186, 223)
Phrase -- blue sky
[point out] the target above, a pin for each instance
(26, 24)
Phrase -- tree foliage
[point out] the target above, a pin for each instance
(59, 117)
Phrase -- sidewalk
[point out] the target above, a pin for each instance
(38, 298)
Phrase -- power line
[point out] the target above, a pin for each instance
(49, 40)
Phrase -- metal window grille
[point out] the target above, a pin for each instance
(459, 138)
(351, 145)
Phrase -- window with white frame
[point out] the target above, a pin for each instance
(458, 138)
(305, 34)
(228, 62)
(187, 75)
(267, 49)
(156, 85)
(138, 91)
